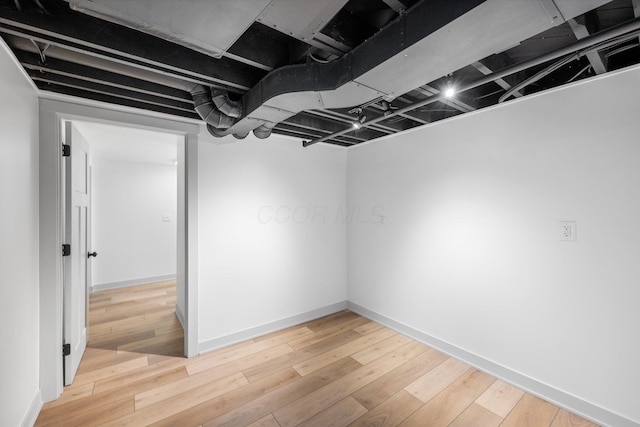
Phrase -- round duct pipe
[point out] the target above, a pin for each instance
(264, 131)
(221, 133)
(241, 135)
(218, 133)
(217, 121)
(225, 105)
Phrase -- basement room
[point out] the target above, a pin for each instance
(278, 213)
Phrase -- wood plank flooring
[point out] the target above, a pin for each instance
(137, 319)
(339, 370)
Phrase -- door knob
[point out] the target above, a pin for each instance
(92, 254)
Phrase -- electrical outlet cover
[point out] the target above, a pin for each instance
(568, 231)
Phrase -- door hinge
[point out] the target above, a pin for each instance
(66, 150)
(66, 349)
(66, 249)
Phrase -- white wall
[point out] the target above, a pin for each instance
(19, 304)
(469, 253)
(270, 246)
(132, 240)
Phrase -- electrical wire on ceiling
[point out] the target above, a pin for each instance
(41, 51)
(579, 73)
(621, 49)
(495, 92)
(436, 110)
(41, 7)
(550, 69)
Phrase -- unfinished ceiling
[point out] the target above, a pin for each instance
(334, 71)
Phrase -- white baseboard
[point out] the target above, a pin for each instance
(180, 316)
(34, 410)
(132, 282)
(551, 394)
(257, 331)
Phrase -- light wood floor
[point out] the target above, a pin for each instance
(137, 319)
(335, 371)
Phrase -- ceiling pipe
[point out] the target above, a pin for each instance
(264, 131)
(239, 135)
(587, 42)
(218, 133)
(559, 64)
(579, 73)
(540, 75)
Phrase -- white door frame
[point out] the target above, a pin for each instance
(52, 113)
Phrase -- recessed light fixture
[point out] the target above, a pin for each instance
(449, 92)
(360, 120)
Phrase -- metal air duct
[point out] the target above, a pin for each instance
(208, 110)
(432, 39)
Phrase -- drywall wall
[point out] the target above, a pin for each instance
(134, 222)
(19, 296)
(271, 240)
(470, 253)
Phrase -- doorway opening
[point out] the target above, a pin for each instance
(132, 298)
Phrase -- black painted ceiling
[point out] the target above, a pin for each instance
(69, 52)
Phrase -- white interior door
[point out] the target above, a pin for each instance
(77, 234)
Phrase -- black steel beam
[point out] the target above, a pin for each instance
(413, 116)
(90, 52)
(295, 134)
(343, 117)
(65, 26)
(310, 134)
(31, 61)
(80, 93)
(312, 122)
(384, 126)
(104, 97)
(110, 90)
